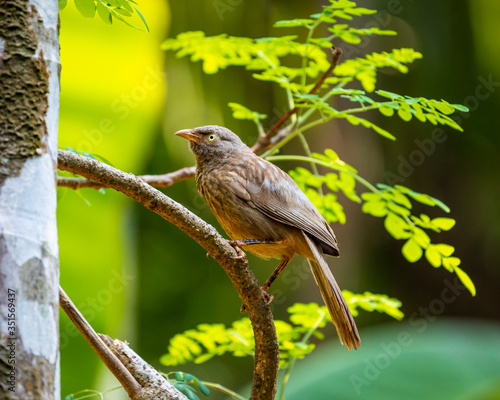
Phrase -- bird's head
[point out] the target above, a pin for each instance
(212, 142)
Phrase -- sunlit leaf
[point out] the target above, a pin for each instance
(444, 223)
(86, 7)
(293, 23)
(397, 226)
(433, 255)
(464, 278)
(241, 112)
(412, 250)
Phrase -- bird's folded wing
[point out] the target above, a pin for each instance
(273, 192)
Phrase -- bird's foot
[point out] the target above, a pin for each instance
(268, 299)
(236, 245)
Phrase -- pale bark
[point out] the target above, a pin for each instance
(29, 267)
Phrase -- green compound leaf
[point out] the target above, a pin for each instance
(122, 10)
(354, 120)
(421, 108)
(365, 69)
(307, 315)
(423, 198)
(373, 302)
(210, 340)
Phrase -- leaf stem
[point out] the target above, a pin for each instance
(223, 389)
(327, 165)
(281, 143)
(367, 108)
(307, 150)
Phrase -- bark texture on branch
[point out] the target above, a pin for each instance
(155, 386)
(242, 278)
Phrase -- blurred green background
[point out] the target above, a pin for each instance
(140, 279)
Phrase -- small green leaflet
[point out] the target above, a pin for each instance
(241, 112)
(122, 10)
(86, 7)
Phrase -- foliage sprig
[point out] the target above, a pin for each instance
(108, 10)
(209, 340)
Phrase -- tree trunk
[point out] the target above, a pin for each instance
(29, 273)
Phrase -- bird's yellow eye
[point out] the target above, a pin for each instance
(212, 137)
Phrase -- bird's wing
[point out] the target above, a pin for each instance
(275, 194)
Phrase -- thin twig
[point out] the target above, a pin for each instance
(162, 181)
(264, 142)
(242, 278)
(125, 378)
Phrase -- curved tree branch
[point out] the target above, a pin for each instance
(242, 278)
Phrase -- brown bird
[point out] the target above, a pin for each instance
(260, 206)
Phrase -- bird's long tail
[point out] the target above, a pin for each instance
(332, 296)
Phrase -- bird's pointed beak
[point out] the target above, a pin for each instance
(188, 134)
